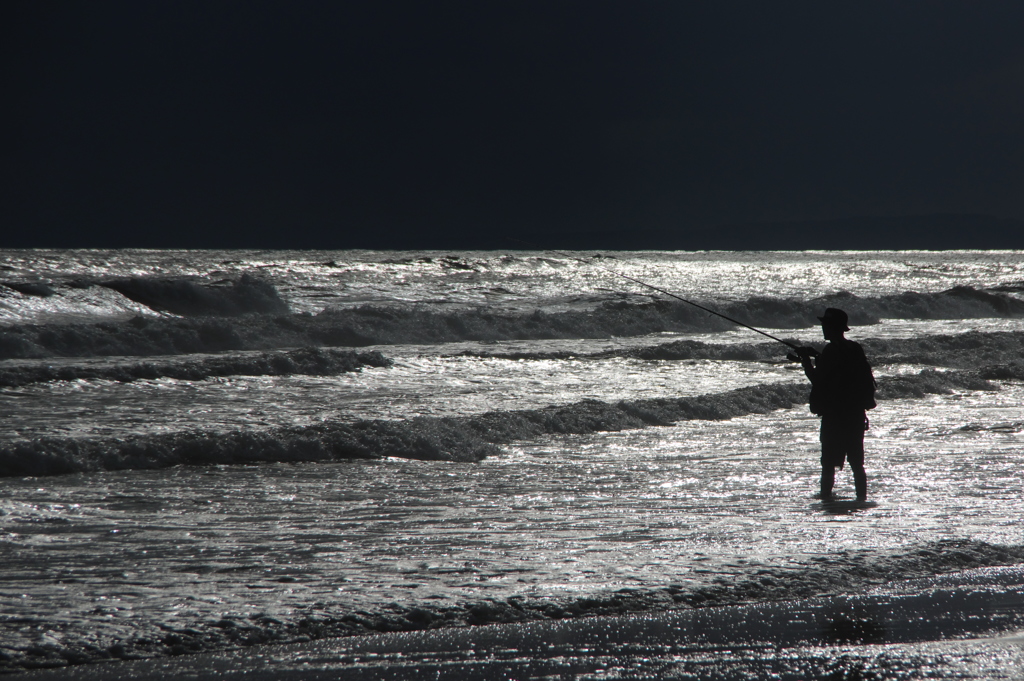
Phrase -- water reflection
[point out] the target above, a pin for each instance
(843, 506)
(646, 518)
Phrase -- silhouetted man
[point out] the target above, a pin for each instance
(842, 388)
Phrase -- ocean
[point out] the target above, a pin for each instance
(206, 451)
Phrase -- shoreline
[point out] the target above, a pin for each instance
(961, 620)
(847, 575)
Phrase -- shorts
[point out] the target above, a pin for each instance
(842, 439)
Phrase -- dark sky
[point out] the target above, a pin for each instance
(337, 124)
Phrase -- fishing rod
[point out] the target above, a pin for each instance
(793, 346)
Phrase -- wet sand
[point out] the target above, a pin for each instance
(964, 625)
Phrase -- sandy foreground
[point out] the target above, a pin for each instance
(964, 625)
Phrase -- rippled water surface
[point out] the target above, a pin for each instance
(435, 386)
(426, 380)
(123, 563)
(107, 555)
(524, 280)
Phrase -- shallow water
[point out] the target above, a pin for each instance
(965, 626)
(414, 386)
(123, 563)
(424, 381)
(105, 557)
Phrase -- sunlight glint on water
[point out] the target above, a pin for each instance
(106, 559)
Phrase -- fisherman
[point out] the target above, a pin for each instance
(842, 388)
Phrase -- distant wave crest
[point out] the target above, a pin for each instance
(305, 361)
(379, 324)
(398, 324)
(967, 350)
(247, 294)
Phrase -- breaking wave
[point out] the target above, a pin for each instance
(30, 288)
(305, 361)
(815, 576)
(466, 438)
(381, 325)
(248, 294)
(249, 315)
(967, 350)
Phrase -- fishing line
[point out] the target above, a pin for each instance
(661, 290)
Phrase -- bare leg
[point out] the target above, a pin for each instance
(860, 481)
(828, 480)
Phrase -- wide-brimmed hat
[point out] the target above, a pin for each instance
(835, 317)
